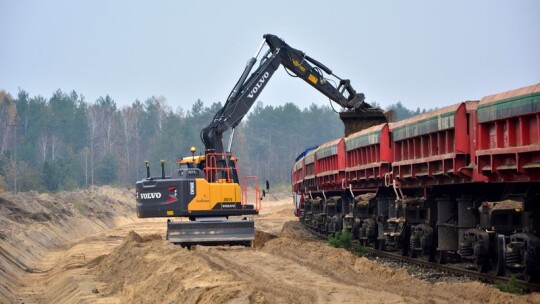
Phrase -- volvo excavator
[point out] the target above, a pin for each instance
(206, 190)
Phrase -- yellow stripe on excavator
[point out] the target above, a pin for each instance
(313, 78)
(210, 194)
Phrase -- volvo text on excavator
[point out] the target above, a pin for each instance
(206, 190)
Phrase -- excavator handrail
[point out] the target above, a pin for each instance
(245, 187)
(213, 171)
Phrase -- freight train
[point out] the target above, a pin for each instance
(457, 184)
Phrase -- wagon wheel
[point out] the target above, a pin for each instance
(413, 254)
(405, 241)
(363, 243)
(405, 250)
(498, 263)
(381, 245)
(529, 273)
(440, 257)
(482, 263)
(374, 244)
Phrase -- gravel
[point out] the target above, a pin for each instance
(427, 274)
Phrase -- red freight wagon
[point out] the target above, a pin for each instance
(432, 148)
(466, 183)
(309, 171)
(368, 157)
(508, 143)
(298, 175)
(330, 159)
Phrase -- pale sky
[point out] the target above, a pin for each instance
(423, 53)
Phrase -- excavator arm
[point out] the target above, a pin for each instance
(240, 100)
(311, 71)
(249, 86)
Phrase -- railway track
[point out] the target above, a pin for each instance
(450, 268)
(454, 269)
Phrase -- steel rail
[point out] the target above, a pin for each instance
(487, 277)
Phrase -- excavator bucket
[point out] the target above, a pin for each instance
(227, 232)
(355, 121)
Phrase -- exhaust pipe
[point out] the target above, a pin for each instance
(147, 164)
(162, 168)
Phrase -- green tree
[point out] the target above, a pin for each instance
(54, 173)
(107, 171)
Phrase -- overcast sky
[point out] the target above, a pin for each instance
(422, 53)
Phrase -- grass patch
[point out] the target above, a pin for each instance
(511, 286)
(361, 250)
(341, 240)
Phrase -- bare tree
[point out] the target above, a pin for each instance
(94, 126)
(85, 163)
(42, 145)
(55, 141)
(129, 117)
(8, 112)
(137, 122)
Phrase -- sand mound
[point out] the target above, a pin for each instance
(262, 237)
(159, 272)
(296, 231)
(152, 238)
(133, 237)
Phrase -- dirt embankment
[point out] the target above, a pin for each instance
(33, 224)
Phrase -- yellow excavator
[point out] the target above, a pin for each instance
(206, 189)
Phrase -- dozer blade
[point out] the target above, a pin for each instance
(231, 232)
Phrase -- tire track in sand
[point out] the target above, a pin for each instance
(285, 281)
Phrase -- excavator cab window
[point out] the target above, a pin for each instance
(234, 175)
(186, 166)
(202, 165)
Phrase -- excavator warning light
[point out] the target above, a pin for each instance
(193, 150)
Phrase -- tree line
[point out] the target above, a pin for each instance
(65, 142)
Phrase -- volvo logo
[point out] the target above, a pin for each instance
(257, 87)
(150, 195)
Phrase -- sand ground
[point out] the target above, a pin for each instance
(88, 246)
